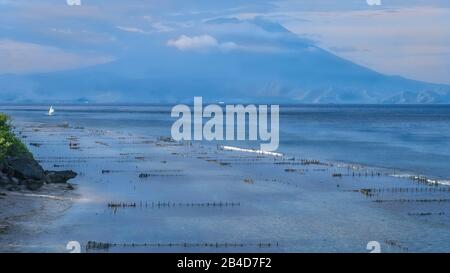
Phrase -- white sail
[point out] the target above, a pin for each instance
(51, 111)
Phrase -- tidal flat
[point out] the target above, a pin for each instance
(139, 191)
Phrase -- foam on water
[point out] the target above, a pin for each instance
(232, 148)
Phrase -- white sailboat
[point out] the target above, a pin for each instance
(51, 111)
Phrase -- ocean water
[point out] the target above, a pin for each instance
(410, 138)
(414, 138)
(273, 204)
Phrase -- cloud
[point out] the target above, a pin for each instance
(411, 41)
(408, 38)
(133, 29)
(193, 43)
(208, 42)
(161, 27)
(21, 58)
(229, 46)
(79, 36)
(156, 27)
(201, 42)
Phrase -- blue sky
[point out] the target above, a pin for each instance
(410, 38)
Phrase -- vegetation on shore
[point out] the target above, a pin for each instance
(10, 145)
(18, 168)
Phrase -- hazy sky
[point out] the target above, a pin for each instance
(410, 38)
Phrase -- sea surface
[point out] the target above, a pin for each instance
(140, 192)
(412, 138)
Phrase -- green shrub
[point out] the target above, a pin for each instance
(10, 145)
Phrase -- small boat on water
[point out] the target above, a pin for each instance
(51, 111)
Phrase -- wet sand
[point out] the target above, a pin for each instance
(26, 214)
(139, 193)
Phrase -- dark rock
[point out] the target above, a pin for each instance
(33, 184)
(3, 175)
(13, 188)
(24, 168)
(4, 180)
(59, 176)
(15, 181)
(26, 171)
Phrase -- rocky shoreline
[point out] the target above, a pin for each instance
(30, 196)
(24, 172)
(18, 168)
